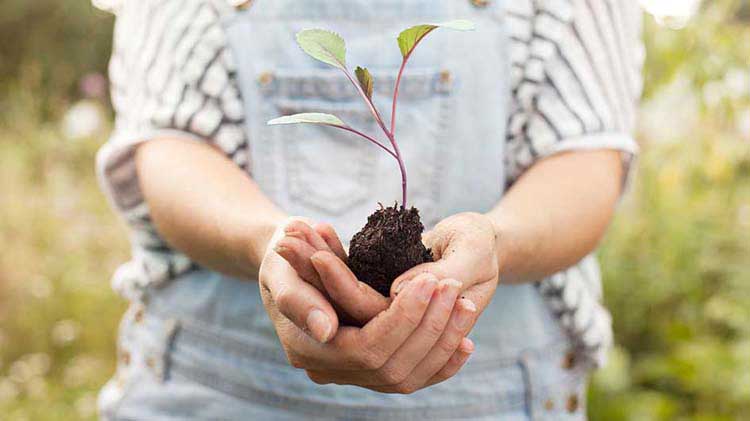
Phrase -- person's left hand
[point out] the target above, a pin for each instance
(465, 248)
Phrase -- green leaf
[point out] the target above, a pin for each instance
(311, 118)
(365, 80)
(409, 38)
(323, 45)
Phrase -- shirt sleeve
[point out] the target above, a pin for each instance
(576, 78)
(171, 75)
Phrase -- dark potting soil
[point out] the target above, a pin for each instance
(388, 245)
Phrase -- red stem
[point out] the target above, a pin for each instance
(357, 132)
(396, 152)
(392, 134)
(368, 101)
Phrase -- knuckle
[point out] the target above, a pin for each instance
(434, 328)
(391, 375)
(371, 360)
(283, 300)
(448, 346)
(404, 314)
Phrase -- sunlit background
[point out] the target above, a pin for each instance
(676, 262)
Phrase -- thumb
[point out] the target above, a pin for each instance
(453, 265)
(300, 302)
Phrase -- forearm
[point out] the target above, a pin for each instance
(205, 206)
(556, 214)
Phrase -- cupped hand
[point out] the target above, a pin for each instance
(464, 248)
(317, 255)
(413, 341)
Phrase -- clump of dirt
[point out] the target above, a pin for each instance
(388, 245)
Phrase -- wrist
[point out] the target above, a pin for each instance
(261, 238)
(507, 248)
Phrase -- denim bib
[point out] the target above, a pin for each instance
(209, 336)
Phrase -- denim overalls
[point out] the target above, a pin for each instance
(203, 347)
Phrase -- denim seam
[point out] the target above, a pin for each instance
(224, 383)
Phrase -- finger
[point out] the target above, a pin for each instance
(302, 303)
(480, 294)
(455, 257)
(368, 348)
(355, 298)
(419, 344)
(304, 232)
(386, 333)
(297, 253)
(456, 362)
(416, 347)
(463, 317)
(448, 267)
(329, 235)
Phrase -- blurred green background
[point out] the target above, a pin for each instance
(676, 261)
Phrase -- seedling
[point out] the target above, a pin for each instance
(390, 243)
(330, 48)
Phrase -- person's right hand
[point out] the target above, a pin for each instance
(418, 340)
(356, 302)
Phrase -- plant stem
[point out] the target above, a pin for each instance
(368, 101)
(357, 132)
(396, 152)
(395, 93)
(401, 167)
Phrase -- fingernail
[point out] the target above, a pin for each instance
(467, 346)
(448, 283)
(319, 325)
(279, 249)
(466, 314)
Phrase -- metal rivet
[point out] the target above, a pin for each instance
(445, 76)
(569, 361)
(549, 405)
(480, 3)
(138, 316)
(241, 4)
(265, 78)
(572, 403)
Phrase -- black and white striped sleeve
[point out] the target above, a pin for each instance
(576, 78)
(171, 75)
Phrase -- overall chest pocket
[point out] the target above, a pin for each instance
(333, 171)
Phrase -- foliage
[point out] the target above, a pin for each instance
(328, 47)
(675, 261)
(47, 45)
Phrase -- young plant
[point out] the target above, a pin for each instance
(330, 48)
(391, 241)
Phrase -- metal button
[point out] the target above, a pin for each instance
(150, 363)
(125, 357)
(138, 315)
(480, 3)
(549, 405)
(569, 361)
(241, 4)
(265, 78)
(445, 76)
(572, 405)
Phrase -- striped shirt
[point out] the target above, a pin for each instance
(575, 84)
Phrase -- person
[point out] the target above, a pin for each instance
(517, 140)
